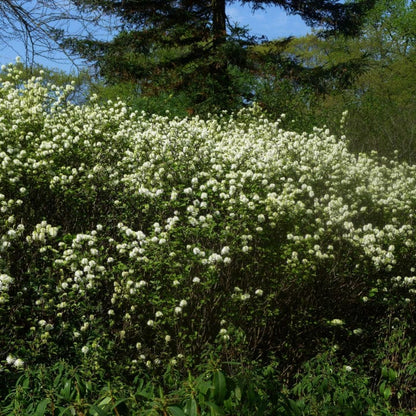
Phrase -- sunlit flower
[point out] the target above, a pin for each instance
(19, 363)
(10, 359)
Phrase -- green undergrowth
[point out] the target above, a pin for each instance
(324, 386)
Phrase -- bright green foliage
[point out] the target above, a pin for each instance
(326, 387)
(380, 95)
(323, 387)
(137, 246)
(385, 112)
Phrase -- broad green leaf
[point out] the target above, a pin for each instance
(220, 387)
(215, 409)
(392, 375)
(66, 391)
(26, 382)
(191, 408)
(41, 407)
(387, 392)
(105, 401)
(175, 411)
(96, 411)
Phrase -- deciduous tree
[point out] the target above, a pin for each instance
(381, 97)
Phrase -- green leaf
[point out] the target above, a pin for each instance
(220, 387)
(373, 292)
(67, 411)
(26, 382)
(215, 409)
(66, 391)
(392, 374)
(191, 407)
(96, 411)
(238, 393)
(251, 394)
(203, 386)
(175, 411)
(105, 401)
(387, 392)
(57, 379)
(41, 407)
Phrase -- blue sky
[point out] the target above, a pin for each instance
(272, 22)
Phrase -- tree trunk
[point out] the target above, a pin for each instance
(218, 68)
(218, 22)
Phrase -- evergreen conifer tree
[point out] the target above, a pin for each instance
(190, 46)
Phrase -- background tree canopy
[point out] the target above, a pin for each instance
(190, 48)
(380, 95)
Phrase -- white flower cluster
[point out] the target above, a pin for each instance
(164, 221)
(41, 232)
(15, 362)
(5, 282)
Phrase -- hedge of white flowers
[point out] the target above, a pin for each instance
(130, 241)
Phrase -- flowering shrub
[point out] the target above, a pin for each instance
(129, 242)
